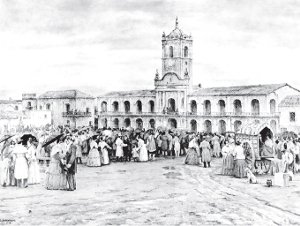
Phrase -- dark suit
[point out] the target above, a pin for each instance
(71, 159)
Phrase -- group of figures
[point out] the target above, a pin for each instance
(239, 157)
(66, 148)
(19, 165)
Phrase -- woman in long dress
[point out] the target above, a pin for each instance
(239, 161)
(94, 156)
(143, 150)
(206, 155)
(119, 148)
(151, 146)
(216, 146)
(227, 166)
(192, 157)
(56, 177)
(34, 169)
(176, 142)
(7, 170)
(78, 144)
(21, 165)
(104, 146)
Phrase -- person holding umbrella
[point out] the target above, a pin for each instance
(21, 164)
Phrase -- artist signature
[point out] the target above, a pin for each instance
(6, 221)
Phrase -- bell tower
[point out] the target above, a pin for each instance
(177, 53)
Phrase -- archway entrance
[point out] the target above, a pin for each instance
(172, 123)
(139, 123)
(127, 122)
(193, 125)
(104, 123)
(207, 126)
(237, 126)
(152, 123)
(221, 105)
(116, 123)
(171, 105)
(222, 126)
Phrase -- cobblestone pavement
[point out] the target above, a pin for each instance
(161, 192)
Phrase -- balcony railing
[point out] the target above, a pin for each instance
(77, 114)
(201, 114)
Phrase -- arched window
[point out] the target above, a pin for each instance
(139, 106)
(127, 106)
(48, 106)
(237, 104)
(115, 106)
(221, 104)
(151, 106)
(272, 106)
(104, 106)
(193, 107)
(16, 108)
(171, 105)
(255, 107)
(207, 107)
(171, 51)
(186, 51)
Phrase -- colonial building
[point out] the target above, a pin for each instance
(176, 103)
(290, 113)
(68, 107)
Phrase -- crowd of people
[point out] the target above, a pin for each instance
(66, 148)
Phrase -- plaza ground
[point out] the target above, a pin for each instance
(164, 192)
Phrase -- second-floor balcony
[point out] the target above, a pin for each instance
(194, 114)
(77, 114)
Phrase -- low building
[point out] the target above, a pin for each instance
(68, 107)
(290, 113)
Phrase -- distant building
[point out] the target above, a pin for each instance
(68, 107)
(176, 103)
(290, 113)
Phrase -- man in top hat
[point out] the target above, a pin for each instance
(71, 165)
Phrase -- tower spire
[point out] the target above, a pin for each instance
(176, 22)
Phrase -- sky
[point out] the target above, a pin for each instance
(98, 46)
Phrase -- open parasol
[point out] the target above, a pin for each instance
(6, 137)
(52, 139)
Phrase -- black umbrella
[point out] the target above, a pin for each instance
(52, 139)
(26, 137)
(5, 138)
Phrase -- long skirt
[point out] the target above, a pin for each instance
(6, 173)
(93, 158)
(105, 156)
(34, 172)
(143, 154)
(216, 149)
(21, 168)
(206, 156)
(227, 167)
(177, 147)
(78, 151)
(239, 168)
(191, 157)
(56, 179)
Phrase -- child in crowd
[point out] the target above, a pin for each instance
(135, 152)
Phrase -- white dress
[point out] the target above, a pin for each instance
(143, 151)
(103, 145)
(21, 166)
(34, 169)
(119, 149)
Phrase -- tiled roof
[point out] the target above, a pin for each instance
(290, 101)
(238, 90)
(65, 94)
(10, 101)
(132, 93)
